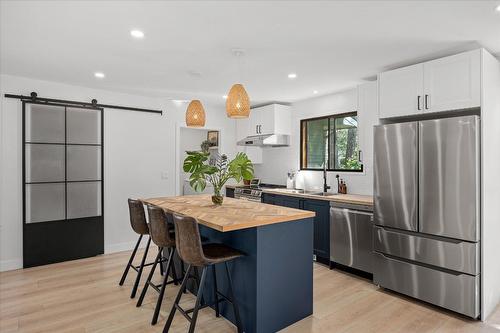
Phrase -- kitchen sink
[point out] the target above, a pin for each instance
(323, 194)
(291, 191)
(327, 194)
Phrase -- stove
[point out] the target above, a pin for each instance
(252, 192)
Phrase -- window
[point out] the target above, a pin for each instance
(331, 139)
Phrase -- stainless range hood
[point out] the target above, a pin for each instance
(269, 140)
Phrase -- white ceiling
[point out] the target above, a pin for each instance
(330, 45)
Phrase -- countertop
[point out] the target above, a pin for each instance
(357, 199)
(233, 214)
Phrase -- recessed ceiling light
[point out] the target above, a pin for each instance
(99, 75)
(315, 92)
(225, 96)
(498, 8)
(292, 76)
(137, 33)
(180, 101)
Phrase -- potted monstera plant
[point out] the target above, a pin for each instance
(216, 171)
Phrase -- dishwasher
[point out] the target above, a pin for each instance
(351, 228)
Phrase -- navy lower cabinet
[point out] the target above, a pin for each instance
(321, 228)
(321, 220)
(229, 192)
(272, 199)
(292, 202)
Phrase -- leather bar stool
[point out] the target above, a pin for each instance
(140, 226)
(163, 236)
(195, 254)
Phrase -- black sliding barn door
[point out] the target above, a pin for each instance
(63, 203)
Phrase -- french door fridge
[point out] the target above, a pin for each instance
(426, 213)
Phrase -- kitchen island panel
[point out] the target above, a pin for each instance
(273, 283)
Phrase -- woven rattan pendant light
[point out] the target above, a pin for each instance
(195, 114)
(237, 102)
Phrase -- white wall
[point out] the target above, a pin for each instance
(277, 161)
(139, 151)
(490, 191)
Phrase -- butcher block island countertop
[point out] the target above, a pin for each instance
(232, 215)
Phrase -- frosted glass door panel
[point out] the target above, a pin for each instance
(83, 163)
(83, 126)
(44, 163)
(84, 199)
(44, 123)
(44, 202)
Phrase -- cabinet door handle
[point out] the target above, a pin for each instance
(418, 102)
(425, 102)
(256, 129)
(259, 129)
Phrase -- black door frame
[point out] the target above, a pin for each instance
(74, 238)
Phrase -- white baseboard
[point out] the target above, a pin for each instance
(9, 265)
(126, 246)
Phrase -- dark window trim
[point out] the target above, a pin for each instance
(303, 158)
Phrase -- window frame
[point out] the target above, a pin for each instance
(331, 117)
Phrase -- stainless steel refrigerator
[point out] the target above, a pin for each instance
(427, 211)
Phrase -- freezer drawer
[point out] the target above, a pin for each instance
(395, 175)
(351, 240)
(456, 292)
(449, 177)
(451, 254)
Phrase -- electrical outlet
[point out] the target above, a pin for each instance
(164, 175)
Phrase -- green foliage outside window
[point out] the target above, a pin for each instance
(332, 140)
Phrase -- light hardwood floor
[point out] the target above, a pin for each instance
(84, 296)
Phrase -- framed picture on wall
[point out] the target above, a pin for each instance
(213, 138)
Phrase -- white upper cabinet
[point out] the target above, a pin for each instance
(401, 91)
(269, 119)
(266, 118)
(242, 130)
(453, 82)
(449, 83)
(254, 121)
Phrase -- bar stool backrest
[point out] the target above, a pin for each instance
(188, 240)
(137, 217)
(158, 227)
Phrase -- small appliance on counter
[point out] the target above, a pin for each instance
(341, 185)
(290, 180)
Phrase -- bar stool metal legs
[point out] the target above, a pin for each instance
(233, 300)
(216, 295)
(198, 304)
(132, 256)
(159, 288)
(139, 271)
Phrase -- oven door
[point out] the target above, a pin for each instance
(247, 198)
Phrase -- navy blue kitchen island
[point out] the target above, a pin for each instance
(273, 282)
